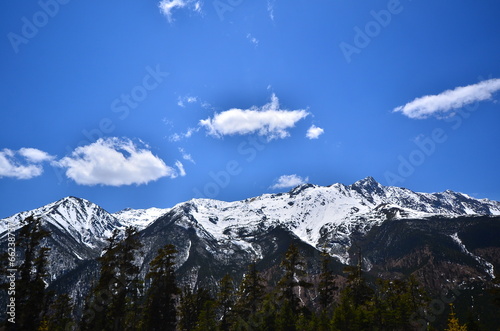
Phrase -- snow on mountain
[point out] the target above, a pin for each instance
(326, 216)
(139, 218)
(320, 216)
(81, 219)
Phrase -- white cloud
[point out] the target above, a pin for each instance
(35, 155)
(252, 39)
(180, 166)
(167, 6)
(181, 101)
(270, 8)
(197, 6)
(446, 101)
(205, 105)
(267, 120)
(314, 132)
(175, 137)
(114, 162)
(186, 156)
(179, 136)
(287, 181)
(30, 167)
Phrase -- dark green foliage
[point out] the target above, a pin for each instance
(58, 316)
(30, 287)
(355, 308)
(293, 266)
(207, 321)
(394, 303)
(112, 298)
(191, 305)
(160, 307)
(265, 318)
(290, 308)
(225, 302)
(280, 302)
(326, 286)
(250, 294)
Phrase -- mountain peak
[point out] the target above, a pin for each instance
(300, 188)
(367, 180)
(367, 183)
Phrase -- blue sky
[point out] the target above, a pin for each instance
(146, 103)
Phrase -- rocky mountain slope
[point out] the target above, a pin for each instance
(439, 237)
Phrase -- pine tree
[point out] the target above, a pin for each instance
(326, 286)
(126, 283)
(207, 321)
(453, 323)
(250, 294)
(96, 308)
(266, 318)
(44, 325)
(326, 291)
(225, 301)
(108, 304)
(293, 267)
(191, 305)
(358, 289)
(353, 312)
(59, 314)
(392, 305)
(30, 289)
(160, 306)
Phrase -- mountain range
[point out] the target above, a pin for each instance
(447, 239)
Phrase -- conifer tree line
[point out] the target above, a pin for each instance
(121, 300)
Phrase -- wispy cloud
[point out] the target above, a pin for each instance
(180, 167)
(450, 100)
(22, 164)
(314, 132)
(167, 7)
(114, 162)
(287, 181)
(179, 136)
(186, 156)
(252, 39)
(181, 101)
(270, 8)
(268, 120)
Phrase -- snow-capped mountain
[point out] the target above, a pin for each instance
(320, 216)
(326, 216)
(81, 219)
(139, 218)
(450, 236)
